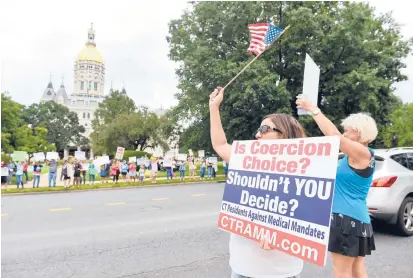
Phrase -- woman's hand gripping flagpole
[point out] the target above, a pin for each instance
(255, 58)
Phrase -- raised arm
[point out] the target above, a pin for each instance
(353, 149)
(219, 141)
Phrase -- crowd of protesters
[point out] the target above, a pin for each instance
(77, 172)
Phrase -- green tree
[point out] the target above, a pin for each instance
(62, 125)
(132, 130)
(32, 140)
(114, 104)
(359, 54)
(10, 121)
(400, 132)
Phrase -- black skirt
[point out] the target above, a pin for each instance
(350, 237)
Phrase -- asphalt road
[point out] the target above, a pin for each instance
(142, 232)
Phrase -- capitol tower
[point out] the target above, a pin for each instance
(88, 86)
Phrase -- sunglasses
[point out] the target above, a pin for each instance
(266, 128)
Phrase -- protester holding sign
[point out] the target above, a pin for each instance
(66, 174)
(37, 169)
(52, 172)
(351, 233)
(132, 171)
(246, 257)
(19, 174)
(4, 175)
(25, 172)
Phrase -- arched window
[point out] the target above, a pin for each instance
(88, 115)
(84, 115)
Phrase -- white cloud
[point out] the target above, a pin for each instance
(42, 37)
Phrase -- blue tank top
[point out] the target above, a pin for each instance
(351, 191)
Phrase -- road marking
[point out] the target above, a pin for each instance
(116, 204)
(160, 199)
(60, 209)
(4, 214)
(197, 195)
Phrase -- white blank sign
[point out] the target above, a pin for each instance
(310, 84)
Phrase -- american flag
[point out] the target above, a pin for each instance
(262, 35)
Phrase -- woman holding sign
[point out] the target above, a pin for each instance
(247, 258)
(351, 233)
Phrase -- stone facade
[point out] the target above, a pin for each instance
(88, 84)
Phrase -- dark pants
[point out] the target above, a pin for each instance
(26, 175)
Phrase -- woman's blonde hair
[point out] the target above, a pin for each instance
(363, 123)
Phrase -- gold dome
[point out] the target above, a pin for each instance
(90, 53)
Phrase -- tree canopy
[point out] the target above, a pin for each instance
(62, 125)
(10, 121)
(359, 54)
(400, 132)
(119, 122)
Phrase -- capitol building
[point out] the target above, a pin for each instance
(88, 91)
(88, 84)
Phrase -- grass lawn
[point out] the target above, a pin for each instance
(108, 185)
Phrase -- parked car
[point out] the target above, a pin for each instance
(390, 197)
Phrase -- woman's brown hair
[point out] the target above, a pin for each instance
(289, 126)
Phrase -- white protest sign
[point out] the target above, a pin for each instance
(167, 163)
(157, 154)
(170, 154)
(191, 153)
(85, 166)
(119, 153)
(52, 155)
(4, 171)
(310, 84)
(140, 161)
(132, 159)
(105, 159)
(282, 189)
(80, 155)
(39, 157)
(213, 160)
(182, 156)
(201, 153)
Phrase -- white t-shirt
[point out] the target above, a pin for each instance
(248, 259)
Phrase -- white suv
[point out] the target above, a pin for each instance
(390, 197)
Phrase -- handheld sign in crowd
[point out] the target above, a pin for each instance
(39, 157)
(182, 157)
(80, 155)
(201, 153)
(119, 153)
(282, 190)
(132, 159)
(52, 155)
(4, 171)
(310, 84)
(19, 156)
(158, 154)
(167, 163)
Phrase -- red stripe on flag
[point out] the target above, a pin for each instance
(258, 24)
(299, 247)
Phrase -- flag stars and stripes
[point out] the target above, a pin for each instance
(262, 35)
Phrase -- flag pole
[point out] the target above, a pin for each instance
(255, 58)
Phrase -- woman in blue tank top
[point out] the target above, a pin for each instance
(351, 234)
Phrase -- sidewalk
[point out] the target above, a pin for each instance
(44, 180)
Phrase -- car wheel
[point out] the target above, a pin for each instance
(405, 217)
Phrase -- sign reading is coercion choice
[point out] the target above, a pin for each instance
(282, 190)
